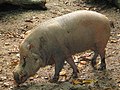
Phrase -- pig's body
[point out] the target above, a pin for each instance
(55, 40)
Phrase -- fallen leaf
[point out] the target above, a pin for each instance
(76, 81)
(113, 41)
(14, 50)
(80, 65)
(37, 76)
(75, 58)
(82, 81)
(64, 78)
(22, 36)
(26, 33)
(88, 81)
(83, 62)
(14, 63)
(87, 8)
(34, 17)
(31, 78)
(63, 73)
(87, 55)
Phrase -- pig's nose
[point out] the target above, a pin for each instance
(16, 77)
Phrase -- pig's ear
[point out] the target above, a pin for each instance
(30, 46)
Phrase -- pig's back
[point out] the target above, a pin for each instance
(77, 31)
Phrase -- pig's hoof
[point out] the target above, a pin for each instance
(53, 80)
(102, 68)
(74, 75)
(93, 64)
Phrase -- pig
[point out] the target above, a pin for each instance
(57, 39)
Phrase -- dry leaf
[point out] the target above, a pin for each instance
(18, 55)
(15, 49)
(87, 55)
(63, 73)
(80, 65)
(34, 17)
(82, 81)
(113, 41)
(14, 63)
(26, 33)
(88, 81)
(31, 78)
(87, 8)
(83, 62)
(64, 78)
(76, 81)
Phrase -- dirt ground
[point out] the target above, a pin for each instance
(15, 23)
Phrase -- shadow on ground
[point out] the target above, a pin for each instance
(102, 77)
(52, 86)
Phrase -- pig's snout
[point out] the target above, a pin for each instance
(20, 77)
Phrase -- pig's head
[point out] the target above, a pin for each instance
(29, 64)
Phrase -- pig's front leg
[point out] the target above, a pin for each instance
(59, 62)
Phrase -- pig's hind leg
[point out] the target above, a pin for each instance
(93, 61)
(103, 63)
(74, 67)
(101, 50)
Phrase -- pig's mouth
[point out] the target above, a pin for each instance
(20, 78)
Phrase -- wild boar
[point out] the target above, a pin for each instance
(57, 39)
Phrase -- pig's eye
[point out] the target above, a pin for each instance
(24, 58)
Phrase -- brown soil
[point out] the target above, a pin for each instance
(15, 23)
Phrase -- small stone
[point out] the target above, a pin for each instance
(118, 35)
(18, 55)
(42, 77)
(6, 84)
(29, 20)
(3, 78)
(11, 87)
(6, 44)
(46, 78)
(35, 17)
(31, 78)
